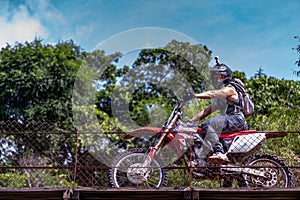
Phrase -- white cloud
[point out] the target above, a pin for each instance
(20, 26)
(45, 11)
(83, 30)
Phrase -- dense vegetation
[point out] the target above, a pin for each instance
(37, 84)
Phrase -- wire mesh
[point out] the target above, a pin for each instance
(39, 154)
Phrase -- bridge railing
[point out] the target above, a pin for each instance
(39, 154)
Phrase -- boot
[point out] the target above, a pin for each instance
(218, 158)
(200, 162)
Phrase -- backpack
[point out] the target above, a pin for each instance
(247, 103)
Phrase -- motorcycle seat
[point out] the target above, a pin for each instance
(230, 135)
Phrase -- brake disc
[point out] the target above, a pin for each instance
(136, 173)
(270, 179)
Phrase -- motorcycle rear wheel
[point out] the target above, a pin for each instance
(127, 171)
(278, 174)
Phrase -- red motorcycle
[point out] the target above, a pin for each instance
(146, 168)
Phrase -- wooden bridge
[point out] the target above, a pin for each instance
(149, 194)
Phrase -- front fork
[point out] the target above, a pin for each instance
(145, 170)
(156, 149)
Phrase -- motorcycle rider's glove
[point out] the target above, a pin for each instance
(188, 96)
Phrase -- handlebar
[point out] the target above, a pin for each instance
(179, 106)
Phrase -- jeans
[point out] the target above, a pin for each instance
(213, 127)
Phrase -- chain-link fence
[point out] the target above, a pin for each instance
(35, 154)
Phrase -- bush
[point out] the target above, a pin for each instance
(13, 180)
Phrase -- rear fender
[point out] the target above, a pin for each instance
(274, 134)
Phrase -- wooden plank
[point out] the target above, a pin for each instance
(147, 194)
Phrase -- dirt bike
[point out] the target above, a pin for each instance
(145, 168)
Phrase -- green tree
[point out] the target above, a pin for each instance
(36, 81)
(159, 76)
(298, 50)
(36, 85)
(259, 73)
(270, 93)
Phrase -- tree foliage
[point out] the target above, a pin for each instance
(159, 76)
(36, 81)
(270, 93)
(298, 51)
(259, 73)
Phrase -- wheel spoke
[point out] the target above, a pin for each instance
(276, 173)
(128, 171)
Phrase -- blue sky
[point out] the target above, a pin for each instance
(246, 35)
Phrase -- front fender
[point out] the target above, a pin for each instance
(142, 131)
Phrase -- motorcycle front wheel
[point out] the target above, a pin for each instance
(276, 173)
(127, 170)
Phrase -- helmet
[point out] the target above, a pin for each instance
(220, 75)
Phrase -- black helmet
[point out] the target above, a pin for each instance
(216, 72)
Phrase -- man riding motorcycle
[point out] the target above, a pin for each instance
(226, 99)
